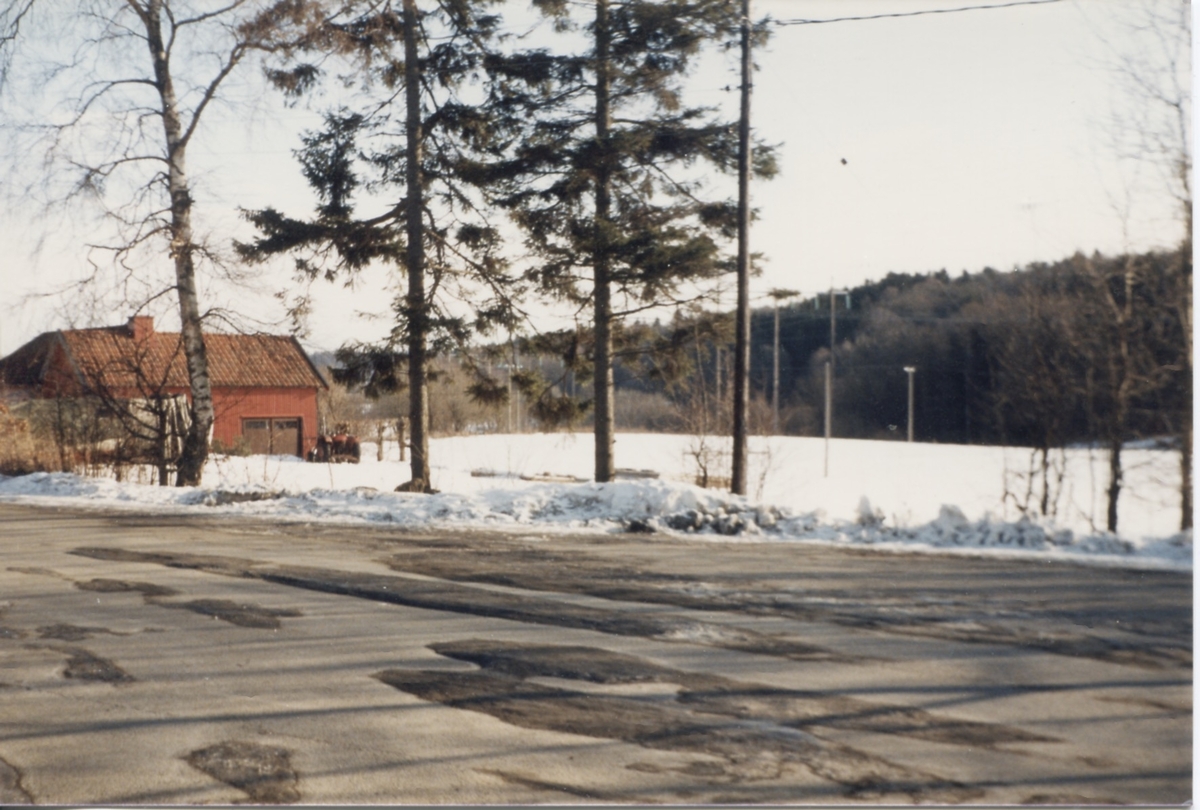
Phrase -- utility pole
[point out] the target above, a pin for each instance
(778, 295)
(741, 386)
(910, 370)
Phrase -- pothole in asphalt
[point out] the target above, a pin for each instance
(226, 610)
(695, 768)
(567, 662)
(148, 590)
(85, 665)
(70, 632)
(262, 772)
(643, 691)
(238, 613)
(456, 598)
(12, 791)
(723, 696)
(583, 690)
(525, 566)
(37, 571)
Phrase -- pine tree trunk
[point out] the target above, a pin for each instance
(605, 426)
(195, 445)
(418, 316)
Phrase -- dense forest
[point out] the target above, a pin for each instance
(1091, 349)
(1041, 356)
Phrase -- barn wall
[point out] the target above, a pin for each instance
(232, 405)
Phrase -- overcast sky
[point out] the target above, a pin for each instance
(956, 141)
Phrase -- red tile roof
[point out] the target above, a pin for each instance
(113, 356)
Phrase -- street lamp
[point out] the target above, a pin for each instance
(910, 371)
(778, 295)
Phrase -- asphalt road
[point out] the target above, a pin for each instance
(167, 660)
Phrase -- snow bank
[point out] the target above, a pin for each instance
(789, 506)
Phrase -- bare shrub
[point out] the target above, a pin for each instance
(22, 451)
(645, 411)
(239, 447)
(759, 416)
(452, 410)
(802, 419)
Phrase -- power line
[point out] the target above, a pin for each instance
(801, 21)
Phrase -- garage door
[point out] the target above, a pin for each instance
(272, 436)
(285, 437)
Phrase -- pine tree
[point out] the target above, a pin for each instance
(606, 183)
(434, 75)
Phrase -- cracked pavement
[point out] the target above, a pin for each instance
(187, 660)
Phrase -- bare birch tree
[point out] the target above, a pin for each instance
(1154, 130)
(114, 92)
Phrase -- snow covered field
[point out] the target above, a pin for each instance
(887, 495)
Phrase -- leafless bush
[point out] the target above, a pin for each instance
(645, 411)
(21, 450)
(803, 419)
(239, 447)
(453, 412)
(1036, 490)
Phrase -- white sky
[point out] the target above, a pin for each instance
(970, 140)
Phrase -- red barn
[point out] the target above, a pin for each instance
(264, 386)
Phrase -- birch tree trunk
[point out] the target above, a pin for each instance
(1185, 438)
(1185, 317)
(195, 446)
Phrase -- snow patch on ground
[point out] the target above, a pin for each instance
(841, 513)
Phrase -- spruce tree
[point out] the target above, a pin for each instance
(606, 184)
(430, 72)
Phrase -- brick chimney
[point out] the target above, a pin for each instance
(141, 327)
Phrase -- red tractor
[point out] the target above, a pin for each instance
(339, 448)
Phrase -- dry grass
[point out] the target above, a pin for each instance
(21, 450)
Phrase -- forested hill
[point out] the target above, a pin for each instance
(1087, 349)
(1078, 350)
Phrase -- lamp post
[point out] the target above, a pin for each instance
(778, 295)
(828, 411)
(829, 372)
(910, 371)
